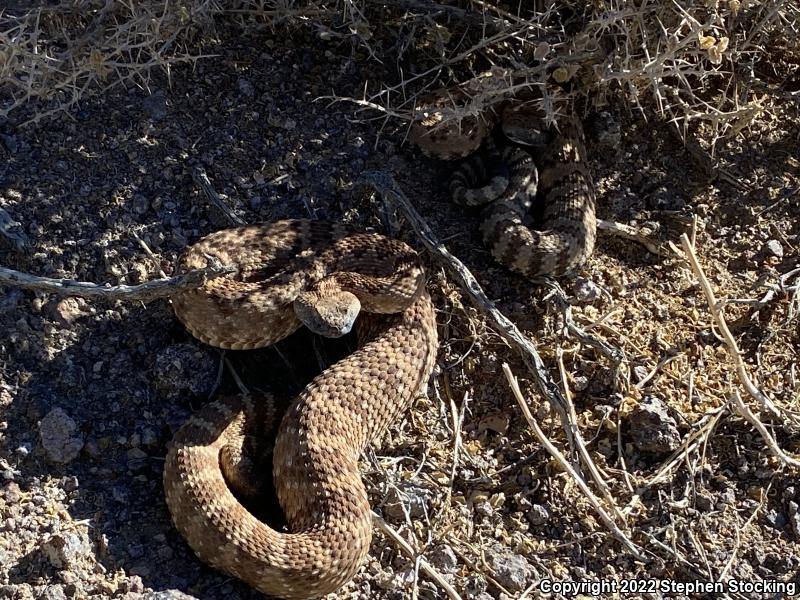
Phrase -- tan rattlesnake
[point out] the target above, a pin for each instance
(321, 274)
(566, 236)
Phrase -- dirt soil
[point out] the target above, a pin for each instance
(92, 391)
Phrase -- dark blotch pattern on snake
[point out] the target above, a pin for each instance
(547, 170)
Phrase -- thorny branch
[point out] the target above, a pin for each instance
(554, 452)
(145, 292)
(391, 192)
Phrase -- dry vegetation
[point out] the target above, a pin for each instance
(721, 354)
(717, 61)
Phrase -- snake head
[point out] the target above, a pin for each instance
(525, 125)
(328, 312)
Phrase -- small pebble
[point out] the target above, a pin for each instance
(54, 592)
(133, 585)
(538, 514)
(443, 558)
(149, 437)
(665, 198)
(512, 571)
(580, 382)
(474, 586)
(776, 519)
(11, 492)
(585, 290)
(24, 449)
(168, 595)
(136, 459)
(58, 434)
(407, 497)
(774, 248)
(606, 130)
(640, 372)
(67, 550)
(10, 142)
(255, 202)
(155, 105)
(246, 88)
(794, 521)
(68, 309)
(703, 501)
(140, 204)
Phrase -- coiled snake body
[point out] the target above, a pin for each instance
(317, 273)
(564, 191)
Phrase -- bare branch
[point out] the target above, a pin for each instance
(391, 192)
(213, 198)
(424, 565)
(631, 233)
(730, 342)
(751, 418)
(145, 292)
(554, 452)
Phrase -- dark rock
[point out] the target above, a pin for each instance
(538, 514)
(246, 88)
(443, 558)
(155, 105)
(652, 428)
(407, 496)
(606, 130)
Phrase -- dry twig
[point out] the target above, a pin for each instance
(733, 349)
(214, 200)
(631, 233)
(424, 565)
(736, 357)
(145, 292)
(391, 192)
(751, 418)
(554, 452)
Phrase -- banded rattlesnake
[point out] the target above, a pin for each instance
(566, 191)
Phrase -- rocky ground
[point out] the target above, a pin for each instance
(92, 391)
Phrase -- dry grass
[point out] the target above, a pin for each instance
(707, 390)
(713, 62)
(58, 54)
